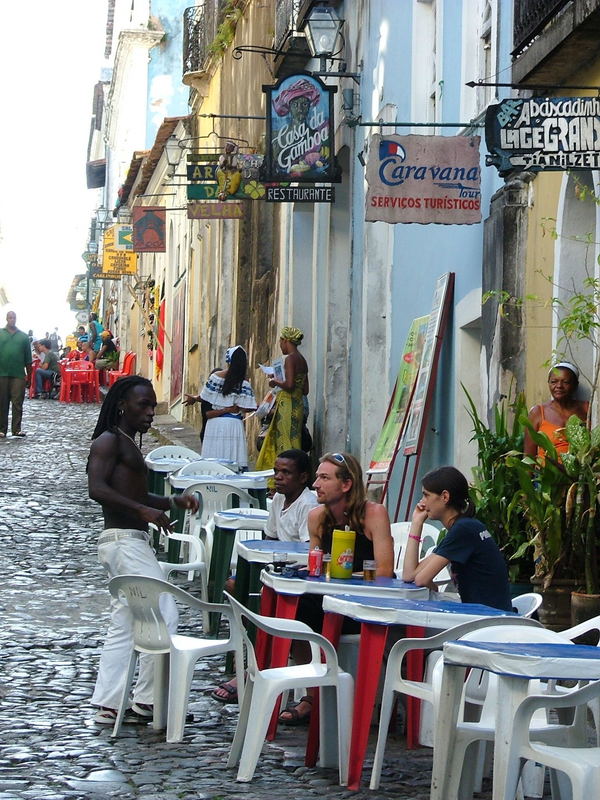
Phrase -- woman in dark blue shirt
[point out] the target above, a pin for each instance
(477, 565)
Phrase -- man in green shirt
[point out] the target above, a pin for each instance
(15, 374)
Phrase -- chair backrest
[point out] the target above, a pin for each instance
(400, 532)
(283, 628)
(173, 451)
(219, 497)
(203, 467)
(129, 363)
(527, 604)
(150, 633)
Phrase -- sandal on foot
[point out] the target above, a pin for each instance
(108, 716)
(232, 695)
(144, 710)
(295, 718)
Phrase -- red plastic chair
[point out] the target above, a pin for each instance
(128, 368)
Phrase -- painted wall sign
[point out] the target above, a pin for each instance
(543, 133)
(149, 228)
(300, 194)
(250, 190)
(215, 210)
(115, 262)
(424, 179)
(299, 130)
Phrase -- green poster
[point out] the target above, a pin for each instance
(407, 374)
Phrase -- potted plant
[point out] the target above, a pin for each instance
(495, 485)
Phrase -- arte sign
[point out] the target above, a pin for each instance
(543, 133)
(300, 194)
(149, 229)
(299, 130)
(216, 210)
(424, 179)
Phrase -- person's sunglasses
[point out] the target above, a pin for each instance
(339, 457)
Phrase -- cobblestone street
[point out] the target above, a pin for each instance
(54, 604)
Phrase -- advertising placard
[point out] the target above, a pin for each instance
(149, 228)
(115, 262)
(299, 130)
(424, 179)
(543, 133)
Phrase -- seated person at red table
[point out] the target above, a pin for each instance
(108, 355)
(343, 501)
(477, 565)
(48, 365)
(287, 521)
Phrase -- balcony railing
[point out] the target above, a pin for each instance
(530, 18)
(200, 25)
(286, 19)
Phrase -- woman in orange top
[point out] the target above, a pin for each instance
(551, 417)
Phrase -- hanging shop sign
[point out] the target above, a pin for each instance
(215, 210)
(233, 176)
(543, 133)
(149, 227)
(115, 262)
(299, 130)
(424, 179)
(300, 194)
(123, 237)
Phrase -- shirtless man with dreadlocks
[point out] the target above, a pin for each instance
(117, 479)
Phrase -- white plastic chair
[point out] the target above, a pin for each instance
(173, 451)
(175, 655)
(527, 604)
(581, 764)
(203, 467)
(196, 562)
(400, 532)
(477, 723)
(263, 687)
(395, 682)
(213, 497)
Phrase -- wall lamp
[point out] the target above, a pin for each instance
(173, 153)
(103, 216)
(322, 29)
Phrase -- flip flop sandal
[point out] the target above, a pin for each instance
(232, 695)
(295, 718)
(107, 716)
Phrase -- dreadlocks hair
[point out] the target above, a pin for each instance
(108, 419)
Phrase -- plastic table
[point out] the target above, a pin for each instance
(375, 616)
(159, 468)
(515, 664)
(254, 482)
(280, 598)
(252, 556)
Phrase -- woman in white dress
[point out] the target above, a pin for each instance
(230, 395)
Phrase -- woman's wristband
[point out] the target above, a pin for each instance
(416, 538)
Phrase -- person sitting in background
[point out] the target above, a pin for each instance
(48, 367)
(108, 355)
(287, 522)
(87, 351)
(477, 565)
(551, 417)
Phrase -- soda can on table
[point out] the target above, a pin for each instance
(315, 562)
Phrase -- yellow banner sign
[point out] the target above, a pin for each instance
(116, 262)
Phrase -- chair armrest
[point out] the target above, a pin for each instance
(583, 627)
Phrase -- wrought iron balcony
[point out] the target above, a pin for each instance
(530, 19)
(200, 24)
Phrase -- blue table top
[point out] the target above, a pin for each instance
(537, 649)
(275, 546)
(426, 605)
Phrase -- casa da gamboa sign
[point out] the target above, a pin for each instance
(423, 179)
(543, 133)
(299, 131)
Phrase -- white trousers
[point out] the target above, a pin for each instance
(127, 557)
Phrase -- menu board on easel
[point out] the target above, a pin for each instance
(391, 431)
(414, 429)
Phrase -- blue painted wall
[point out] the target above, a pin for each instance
(167, 96)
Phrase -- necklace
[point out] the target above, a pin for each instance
(131, 439)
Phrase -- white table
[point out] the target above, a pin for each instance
(515, 664)
(245, 480)
(376, 614)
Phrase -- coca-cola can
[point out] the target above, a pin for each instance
(315, 562)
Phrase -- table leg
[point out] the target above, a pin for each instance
(332, 628)
(370, 659)
(415, 664)
(286, 607)
(444, 738)
(219, 569)
(262, 648)
(511, 693)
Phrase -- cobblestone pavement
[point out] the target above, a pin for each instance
(53, 601)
